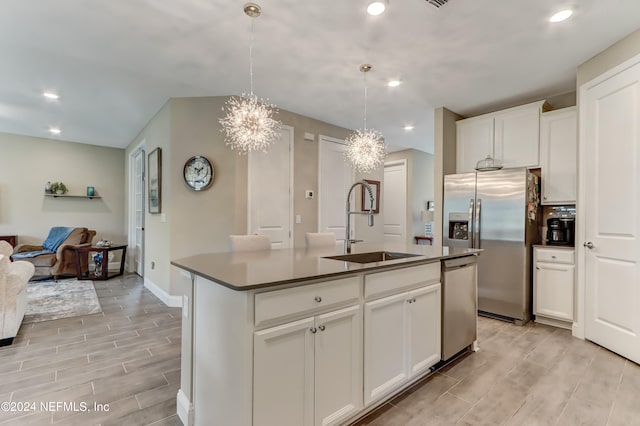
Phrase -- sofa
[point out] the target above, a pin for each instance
(63, 261)
(14, 277)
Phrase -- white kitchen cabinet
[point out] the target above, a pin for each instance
(558, 156)
(283, 375)
(510, 136)
(402, 339)
(474, 140)
(309, 372)
(553, 286)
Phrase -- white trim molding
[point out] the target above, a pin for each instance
(166, 298)
(185, 408)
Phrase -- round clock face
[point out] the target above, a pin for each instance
(198, 173)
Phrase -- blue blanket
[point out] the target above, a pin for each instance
(57, 235)
(30, 254)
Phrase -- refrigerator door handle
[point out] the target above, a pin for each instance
(471, 222)
(477, 226)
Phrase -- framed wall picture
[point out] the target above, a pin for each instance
(155, 181)
(366, 200)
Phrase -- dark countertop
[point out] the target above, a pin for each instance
(259, 269)
(555, 246)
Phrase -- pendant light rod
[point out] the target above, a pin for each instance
(365, 68)
(252, 10)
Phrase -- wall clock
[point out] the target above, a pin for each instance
(198, 173)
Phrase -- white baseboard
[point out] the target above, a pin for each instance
(185, 409)
(167, 299)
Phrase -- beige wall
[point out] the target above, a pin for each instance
(156, 134)
(616, 54)
(27, 163)
(444, 161)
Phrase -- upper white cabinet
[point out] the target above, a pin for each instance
(558, 151)
(511, 137)
(474, 139)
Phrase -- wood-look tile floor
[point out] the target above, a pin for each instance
(531, 375)
(127, 357)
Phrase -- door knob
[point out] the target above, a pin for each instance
(588, 245)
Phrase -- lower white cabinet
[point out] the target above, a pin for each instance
(553, 282)
(401, 339)
(309, 372)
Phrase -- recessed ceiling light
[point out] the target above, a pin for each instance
(376, 8)
(561, 16)
(394, 83)
(409, 127)
(51, 95)
(55, 130)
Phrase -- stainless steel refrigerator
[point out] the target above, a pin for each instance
(497, 211)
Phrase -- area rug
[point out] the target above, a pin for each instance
(50, 300)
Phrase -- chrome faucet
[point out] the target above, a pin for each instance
(347, 239)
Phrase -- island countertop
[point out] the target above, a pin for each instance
(259, 269)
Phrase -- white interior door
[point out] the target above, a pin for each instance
(610, 133)
(335, 177)
(271, 191)
(394, 202)
(136, 227)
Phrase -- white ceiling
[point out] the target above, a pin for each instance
(115, 63)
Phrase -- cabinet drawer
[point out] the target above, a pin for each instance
(389, 282)
(554, 255)
(296, 301)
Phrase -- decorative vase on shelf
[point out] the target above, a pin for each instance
(60, 192)
(47, 188)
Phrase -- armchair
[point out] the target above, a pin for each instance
(13, 296)
(63, 261)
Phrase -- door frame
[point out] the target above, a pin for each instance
(131, 207)
(578, 329)
(291, 175)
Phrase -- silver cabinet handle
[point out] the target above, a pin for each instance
(537, 267)
(408, 300)
(313, 330)
(318, 299)
(321, 327)
(414, 300)
(588, 245)
(553, 257)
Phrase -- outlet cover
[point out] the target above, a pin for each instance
(308, 194)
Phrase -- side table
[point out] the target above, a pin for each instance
(105, 260)
(11, 239)
(422, 238)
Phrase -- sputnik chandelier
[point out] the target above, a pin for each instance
(365, 147)
(249, 124)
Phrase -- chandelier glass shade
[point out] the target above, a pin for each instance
(248, 123)
(365, 147)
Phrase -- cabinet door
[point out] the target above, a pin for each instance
(474, 141)
(517, 136)
(338, 372)
(554, 289)
(558, 152)
(283, 375)
(424, 328)
(385, 345)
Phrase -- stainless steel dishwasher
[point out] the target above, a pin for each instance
(459, 304)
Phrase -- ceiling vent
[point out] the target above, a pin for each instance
(437, 3)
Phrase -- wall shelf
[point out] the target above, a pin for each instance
(91, 197)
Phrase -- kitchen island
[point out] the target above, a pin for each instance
(291, 337)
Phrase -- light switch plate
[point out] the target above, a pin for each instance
(298, 218)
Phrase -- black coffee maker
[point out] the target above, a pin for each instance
(560, 230)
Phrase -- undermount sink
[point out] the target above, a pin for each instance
(375, 256)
